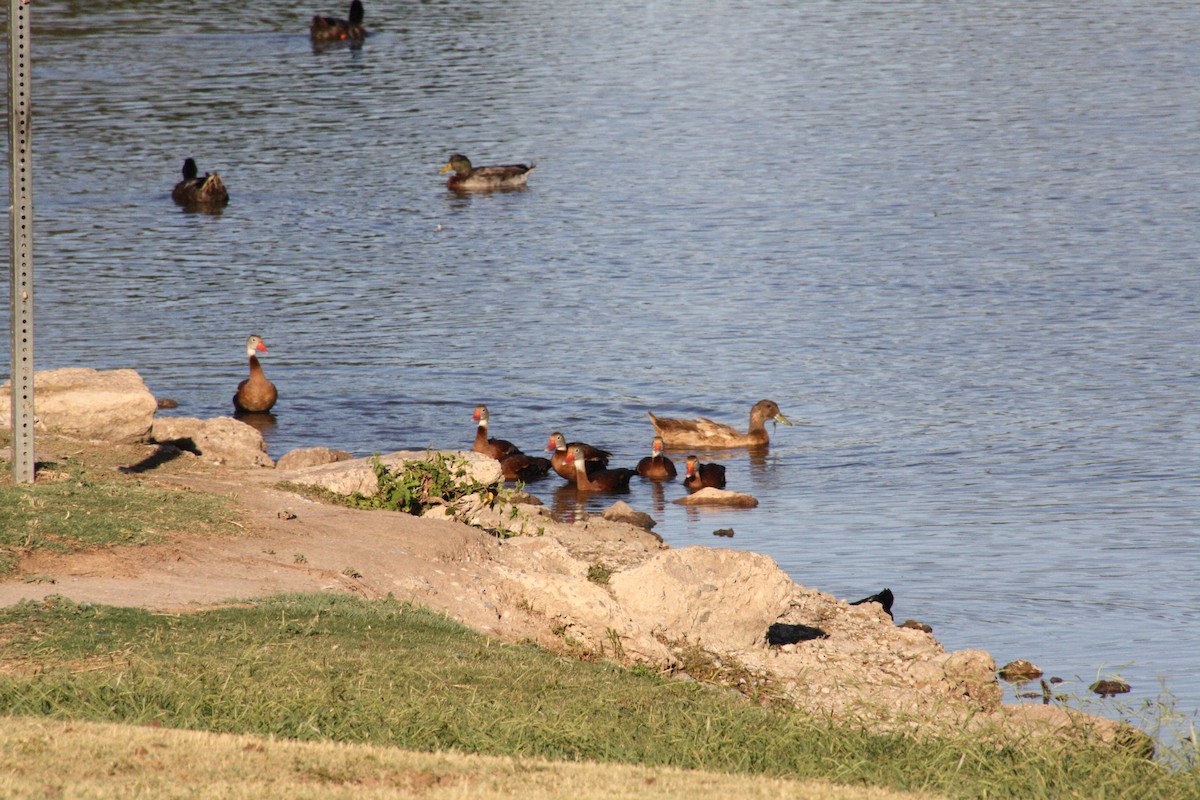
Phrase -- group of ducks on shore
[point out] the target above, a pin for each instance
(580, 464)
(208, 192)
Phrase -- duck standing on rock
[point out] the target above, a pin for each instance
(700, 475)
(656, 466)
(256, 393)
(593, 456)
(196, 192)
(467, 178)
(332, 29)
(703, 432)
(599, 479)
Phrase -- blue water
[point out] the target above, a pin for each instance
(958, 243)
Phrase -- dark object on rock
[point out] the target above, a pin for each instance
(920, 626)
(884, 597)
(785, 633)
(1056, 680)
(167, 402)
(1109, 687)
(1020, 671)
(726, 532)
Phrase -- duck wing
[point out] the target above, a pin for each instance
(688, 431)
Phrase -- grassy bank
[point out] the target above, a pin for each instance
(333, 668)
(332, 685)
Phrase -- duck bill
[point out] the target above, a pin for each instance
(781, 418)
(446, 168)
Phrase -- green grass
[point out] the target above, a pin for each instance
(343, 669)
(73, 507)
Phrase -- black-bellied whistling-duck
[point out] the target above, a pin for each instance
(467, 178)
(196, 192)
(594, 456)
(496, 448)
(702, 432)
(256, 393)
(701, 475)
(598, 480)
(656, 466)
(332, 29)
(520, 467)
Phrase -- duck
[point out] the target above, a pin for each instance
(700, 475)
(520, 467)
(255, 393)
(599, 479)
(467, 178)
(656, 466)
(593, 456)
(332, 29)
(703, 432)
(498, 449)
(196, 191)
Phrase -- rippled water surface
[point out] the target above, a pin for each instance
(958, 242)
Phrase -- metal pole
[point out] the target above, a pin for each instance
(20, 150)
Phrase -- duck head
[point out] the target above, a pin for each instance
(459, 163)
(255, 343)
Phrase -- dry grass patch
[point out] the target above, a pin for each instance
(45, 758)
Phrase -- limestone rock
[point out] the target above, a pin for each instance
(311, 457)
(358, 474)
(973, 674)
(725, 599)
(223, 440)
(100, 405)
(708, 496)
(621, 511)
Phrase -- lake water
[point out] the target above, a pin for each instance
(957, 241)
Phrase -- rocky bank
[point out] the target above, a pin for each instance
(598, 588)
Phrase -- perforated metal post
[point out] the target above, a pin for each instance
(20, 150)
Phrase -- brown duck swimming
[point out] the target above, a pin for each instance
(467, 178)
(498, 449)
(599, 479)
(332, 29)
(520, 467)
(256, 393)
(703, 432)
(656, 466)
(194, 191)
(592, 456)
(702, 475)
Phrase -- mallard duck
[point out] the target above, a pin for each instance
(498, 449)
(332, 29)
(256, 393)
(598, 479)
(704, 432)
(656, 466)
(197, 191)
(467, 178)
(593, 456)
(702, 475)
